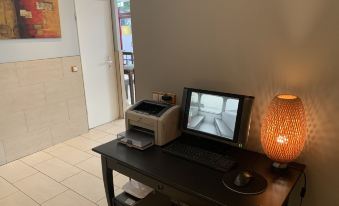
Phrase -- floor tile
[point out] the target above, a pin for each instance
(120, 180)
(115, 173)
(17, 199)
(103, 127)
(16, 170)
(107, 139)
(57, 169)
(92, 166)
(93, 153)
(103, 201)
(95, 134)
(114, 127)
(68, 198)
(6, 188)
(116, 130)
(50, 149)
(117, 191)
(70, 154)
(82, 143)
(63, 162)
(87, 185)
(119, 122)
(36, 158)
(40, 187)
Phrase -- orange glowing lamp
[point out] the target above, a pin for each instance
(283, 130)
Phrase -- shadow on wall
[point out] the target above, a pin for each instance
(317, 86)
(315, 79)
(321, 150)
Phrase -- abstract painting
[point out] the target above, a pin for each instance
(21, 19)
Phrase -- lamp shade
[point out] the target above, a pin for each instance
(283, 130)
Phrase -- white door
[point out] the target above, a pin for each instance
(94, 21)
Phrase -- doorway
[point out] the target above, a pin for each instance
(106, 49)
(100, 71)
(125, 45)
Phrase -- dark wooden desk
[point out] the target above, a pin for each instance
(190, 182)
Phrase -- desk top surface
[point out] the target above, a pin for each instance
(202, 181)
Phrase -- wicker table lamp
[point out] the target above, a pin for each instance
(283, 130)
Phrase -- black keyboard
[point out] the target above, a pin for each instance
(213, 160)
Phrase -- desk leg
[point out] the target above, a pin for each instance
(108, 181)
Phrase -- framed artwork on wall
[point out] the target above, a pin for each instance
(23, 19)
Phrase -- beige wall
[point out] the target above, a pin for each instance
(259, 48)
(41, 103)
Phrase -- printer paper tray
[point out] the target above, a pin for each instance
(136, 139)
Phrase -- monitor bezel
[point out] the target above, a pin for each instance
(186, 105)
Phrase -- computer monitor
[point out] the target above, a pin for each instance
(218, 116)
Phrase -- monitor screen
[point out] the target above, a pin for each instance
(213, 114)
(216, 115)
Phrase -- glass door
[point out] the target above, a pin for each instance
(126, 43)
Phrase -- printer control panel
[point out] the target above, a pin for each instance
(151, 108)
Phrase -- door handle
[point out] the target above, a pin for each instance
(109, 63)
(109, 60)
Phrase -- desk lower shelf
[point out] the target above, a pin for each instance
(159, 186)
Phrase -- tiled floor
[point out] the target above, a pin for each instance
(66, 174)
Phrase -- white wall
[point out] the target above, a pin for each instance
(30, 49)
(253, 47)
